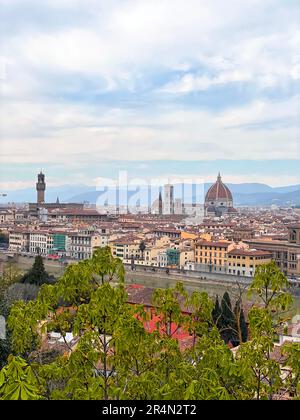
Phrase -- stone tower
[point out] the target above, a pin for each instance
(40, 188)
(160, 204)
(169, 199)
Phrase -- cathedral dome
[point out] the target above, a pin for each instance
(218, 192)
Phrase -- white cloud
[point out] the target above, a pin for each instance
(191, 82)
(266, 61)
(236, 40)
(121, 45)
(14, 185)
(78, 133)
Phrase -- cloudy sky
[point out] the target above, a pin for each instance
(157, 87)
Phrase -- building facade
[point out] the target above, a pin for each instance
(40, 243)
(19, 241)
(244, 263)
(285, 253)
(212, 256)
(168, 199)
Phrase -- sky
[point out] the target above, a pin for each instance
(155, 87)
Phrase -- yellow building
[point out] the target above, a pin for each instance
(163, 242)
(125, 249)
(187, 235)
(241, 262)
(195, 236)
(186, 256)
(212, 256)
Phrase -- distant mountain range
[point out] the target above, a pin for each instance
(243, 195)
(247, 194)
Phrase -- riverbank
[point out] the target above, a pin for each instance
(212, 283)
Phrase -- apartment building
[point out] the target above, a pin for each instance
(243, 262)
(186, 256)
(81, 244)
(211, 256)
(41, 242)
(126, 248)
(169, 258)
(286, 253)
(19, 241)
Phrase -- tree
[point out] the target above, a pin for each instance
(263, 377)
(106, 267)
(9, 276)
(37, 274)
(271, 286)
(168, 307)
(115, 355)
(217, 313)
(242, 330)
(17, 381)
(9, 280)
(227, 321)
(142, 248)
(200, 320)
(4, 239)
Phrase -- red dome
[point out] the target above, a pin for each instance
(218, 192)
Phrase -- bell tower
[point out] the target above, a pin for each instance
(40, 188)
(160, 204)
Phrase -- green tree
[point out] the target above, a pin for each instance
(227, 321)
(106, 267)
(5, 343)
(169, 305)
(142, 248)
(4, 239)
(271, 286)
(200, 320)
(263, 377)
(217, 313)
(9, 279)
(240, 321)
(115, 356)
(37, 274)
(18, 382)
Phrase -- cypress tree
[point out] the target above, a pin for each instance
(228, 325)
(242, 331)
(244, 328)
(216, 313)
(37, 274)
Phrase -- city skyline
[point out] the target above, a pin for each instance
(150, 202)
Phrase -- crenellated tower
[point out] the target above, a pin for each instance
(40, 188)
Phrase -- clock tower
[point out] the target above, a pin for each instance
(40, 188)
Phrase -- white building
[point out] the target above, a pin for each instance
(19, 241)
(6, 216)
(40, 243)
(168, 204)
(162, 259)
(82, 244)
